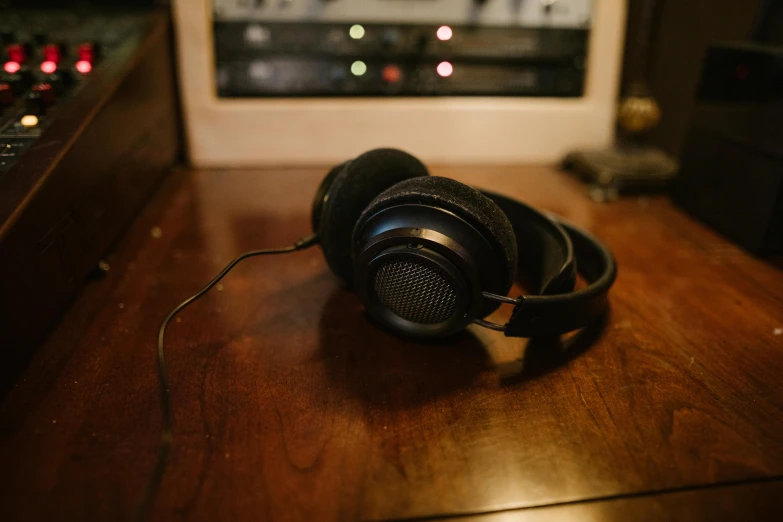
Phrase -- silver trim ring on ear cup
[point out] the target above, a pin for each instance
(447, 234)
(414, 290)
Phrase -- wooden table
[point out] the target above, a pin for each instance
(290, 405)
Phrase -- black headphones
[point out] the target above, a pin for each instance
(429, 255)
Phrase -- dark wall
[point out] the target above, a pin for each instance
(687, 27)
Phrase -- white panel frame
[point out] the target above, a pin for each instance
(451, 130)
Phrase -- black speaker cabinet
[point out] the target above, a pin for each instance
(732, 164)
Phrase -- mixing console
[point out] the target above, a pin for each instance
(88, 128)
(46, 59)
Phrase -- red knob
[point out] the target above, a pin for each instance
(52, 53)
(6, 95)
(87, 52)
(16, 53)
(40, 97)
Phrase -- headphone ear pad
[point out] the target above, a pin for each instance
(319, 200)
(467, 203)
(352, 189)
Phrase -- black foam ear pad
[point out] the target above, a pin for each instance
(350, 192)
(320, 194)
(464, 201)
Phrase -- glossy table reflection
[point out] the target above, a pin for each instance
(290, 405)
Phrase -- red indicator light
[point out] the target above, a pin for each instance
(444, 33)
(391, 74)
(83, 66)
(445, 69)
(742, 72)
(11, 67)
(48, 66)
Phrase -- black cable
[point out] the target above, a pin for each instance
(144, 506)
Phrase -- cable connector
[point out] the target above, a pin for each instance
(306, 242)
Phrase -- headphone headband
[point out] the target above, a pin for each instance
(548, 252)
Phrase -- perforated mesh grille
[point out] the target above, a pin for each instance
(416, 290)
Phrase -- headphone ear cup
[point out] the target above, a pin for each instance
(467, 203)
(353, 186)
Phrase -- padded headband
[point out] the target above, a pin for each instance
(548, 252)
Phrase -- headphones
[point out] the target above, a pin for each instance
(428, 255)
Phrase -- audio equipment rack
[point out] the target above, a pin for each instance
(452, 81)
(401, 47)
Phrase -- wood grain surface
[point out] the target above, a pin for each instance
(290, 405)
(743, 502)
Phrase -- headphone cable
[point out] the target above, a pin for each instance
(144, 506)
